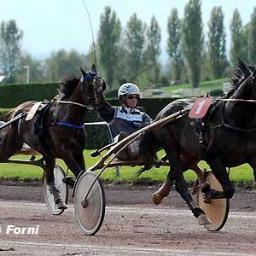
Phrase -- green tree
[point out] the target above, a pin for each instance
(238, 47)
(63, 63)
(217, 43)
(174, 44)
(193, 39)
(252, 38)
(206, 72)
(134, 45)
(108, 41)
(153, 51)
(35, 72)
(10, 49)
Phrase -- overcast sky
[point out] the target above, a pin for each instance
(50, 25)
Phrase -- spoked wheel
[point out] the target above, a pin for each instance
(59, 174)
(217, 210)
(89, 211)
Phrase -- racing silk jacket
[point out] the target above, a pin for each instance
(123, 119)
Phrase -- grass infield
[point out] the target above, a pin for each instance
(240, 174)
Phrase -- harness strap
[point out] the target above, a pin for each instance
(69, 125)
(239, 129)
(72, 102)
(235, 128)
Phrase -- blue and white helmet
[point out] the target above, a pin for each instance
(128, 89)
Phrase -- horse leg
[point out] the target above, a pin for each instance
(49, 175)
(221, 175)
(9, 143)
(164, 190)
(75, 163)
(187, 163)
(182, 189)
(200, 182)
(79, 158)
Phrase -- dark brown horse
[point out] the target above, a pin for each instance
(229, 139)
(57, 130)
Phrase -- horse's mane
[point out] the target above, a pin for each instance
(241, 72)
(67, 86)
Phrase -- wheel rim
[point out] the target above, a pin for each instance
(89, 217)
(216, 211)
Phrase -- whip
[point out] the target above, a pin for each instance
(94, 48)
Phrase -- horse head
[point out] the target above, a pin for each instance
(92, 87)
(240, 110)
(243, 82)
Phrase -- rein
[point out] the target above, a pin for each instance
(237, 100)
(72, 102)
(67, 124)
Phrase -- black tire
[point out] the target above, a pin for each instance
(90, 216)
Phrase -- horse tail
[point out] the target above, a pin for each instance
(24, 107)
(147, 150)
(6, 117)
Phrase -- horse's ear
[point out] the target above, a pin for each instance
(94, 68)
(104, 85)
(83, 72)
(239, 61)
(243, 67)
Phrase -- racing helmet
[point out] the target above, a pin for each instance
(128, 89)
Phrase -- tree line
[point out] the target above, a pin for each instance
(132, 53)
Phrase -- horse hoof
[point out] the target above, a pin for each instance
(203, 220)
(156, 198)
(62, 206)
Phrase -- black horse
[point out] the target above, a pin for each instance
(57, 130)
(228, 139)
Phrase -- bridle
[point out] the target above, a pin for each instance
(90, 76)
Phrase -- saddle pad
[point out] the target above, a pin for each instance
(33, 110)
(200, 108)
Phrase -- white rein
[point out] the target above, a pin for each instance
(72, 102)
(237, 100)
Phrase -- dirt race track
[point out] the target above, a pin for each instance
(132, 226)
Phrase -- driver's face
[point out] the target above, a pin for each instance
(132, 100)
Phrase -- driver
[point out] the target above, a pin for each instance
(127, 118)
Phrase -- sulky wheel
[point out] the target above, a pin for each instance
(59, 174)
(217, 210)
(90, 210)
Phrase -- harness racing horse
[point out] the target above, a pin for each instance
(57, 130)
(229, 139)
